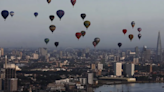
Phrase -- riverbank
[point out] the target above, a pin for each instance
(116, 83)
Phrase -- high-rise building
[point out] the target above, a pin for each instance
(35, 56)
(42, 51)
(2, 51)
(146, 54)
(93, 66)
(117, 69)
(137, 52)
(10, 80)
(100, 66)
(159, 49)
(90, 78)
(149, 68)
(135, 60)
(129, 70)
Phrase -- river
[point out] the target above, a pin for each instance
(134, 87)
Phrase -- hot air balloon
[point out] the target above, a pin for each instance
(5, 14)
(12, 13)
(51, 17)
(131, 37)
(133, 24)
(60, 13)
(46, 40)
(124, 31)
(139, 36)
(78, 35)
(52, 28)
(56, 44)
(83, 33)
(139, 29)
(48, 1)
(83, 15)
(97, 40)
(73, 2)
(94, 43)
(35, 14)
(119, 45)
(87, 24)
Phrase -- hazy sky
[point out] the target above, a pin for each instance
(108, 18)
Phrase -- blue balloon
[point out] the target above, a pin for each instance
(36, 14)
(5, 14)
(60, 13)
(46, 40)
(12, 13)
(119, 44)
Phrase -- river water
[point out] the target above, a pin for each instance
(134, 87)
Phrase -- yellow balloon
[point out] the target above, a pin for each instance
(87, 24)
(48, 1)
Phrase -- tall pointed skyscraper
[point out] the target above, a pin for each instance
(159, 49)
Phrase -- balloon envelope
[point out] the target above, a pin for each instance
(83, 15)
(94, 43)
(130, 36)
(73, 2)
(87, 24)
(51, 17)
(119, 44)
(46, 40)
(97, 40)
(139, 29)
(124, 31)
(48, 1)
(60, 13)
(12, 13)
(133, 24)
(78, 35)
(35, 14)
(5, 14)
(139, 36)
(52, 28)
(56, 44)
(83, 33)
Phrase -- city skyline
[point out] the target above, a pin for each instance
(107, 18)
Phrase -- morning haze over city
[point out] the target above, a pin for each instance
(81, 46)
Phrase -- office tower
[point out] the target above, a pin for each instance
(159, 49)
(123, 54)
(90, 78)
(135, 60)
(35, 56)
(100, 66)
(61, 54)
(118, 58)
(2, 51)
(93, 66)
(129, 70)
(146, 54)
(10, 81)
(21, 54)
(149, 68)
(137, 52)
(42, 51)
(117, 69)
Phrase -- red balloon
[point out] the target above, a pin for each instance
(78, 35)
(73, 2)
(94, 43)
(124, 31)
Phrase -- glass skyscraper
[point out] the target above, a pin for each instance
(159, 49)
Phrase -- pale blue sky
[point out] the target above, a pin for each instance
(108, 18)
